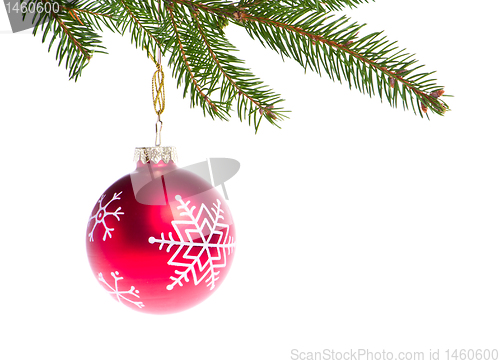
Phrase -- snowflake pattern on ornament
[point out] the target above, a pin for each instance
(204, 264)
(120, 295)
(101, 215)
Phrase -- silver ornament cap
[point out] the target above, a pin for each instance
(155, 154)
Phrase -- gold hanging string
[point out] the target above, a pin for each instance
(158, 88)
(158, 93)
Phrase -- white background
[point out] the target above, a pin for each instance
(359, 225)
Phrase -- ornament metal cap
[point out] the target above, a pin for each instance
(155, 154)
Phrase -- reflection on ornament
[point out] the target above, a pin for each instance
(160, 200)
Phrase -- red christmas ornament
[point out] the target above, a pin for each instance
(160, 239)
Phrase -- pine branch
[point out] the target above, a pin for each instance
(318, 43)
(202, 58)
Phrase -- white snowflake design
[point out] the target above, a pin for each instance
(204, 265)
(101, 215)
(120, 295)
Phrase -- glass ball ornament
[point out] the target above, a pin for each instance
(161, 239)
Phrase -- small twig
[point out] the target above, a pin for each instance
(186, 62)
(139, 23)
(85, 11)
(216, 60)
(68, 33)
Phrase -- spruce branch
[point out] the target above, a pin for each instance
(316, 42)
(203, 61)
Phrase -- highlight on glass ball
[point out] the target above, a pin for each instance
(161, 239)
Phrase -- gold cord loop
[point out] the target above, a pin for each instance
(158, 89)
(158, 92)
